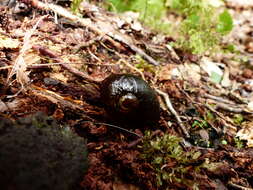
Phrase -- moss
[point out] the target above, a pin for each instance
(238, 119)
(151, 12)
(169, 160)
(35, 153)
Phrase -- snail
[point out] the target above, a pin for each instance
(130, 99)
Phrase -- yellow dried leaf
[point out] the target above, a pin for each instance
(10, 43)
(59, 76)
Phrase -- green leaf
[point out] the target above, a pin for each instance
(158, 160)
(230, 48)
(175, 4)
(225, 23)
(224, 142)
(193, 20)
(75, 5)
(159, 180)
(238, 119)
(195, 123)
(215, 77)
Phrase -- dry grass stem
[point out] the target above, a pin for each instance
(19, 67)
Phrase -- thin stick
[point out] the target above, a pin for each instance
(218, 98)
(173, 111)
(120, 128)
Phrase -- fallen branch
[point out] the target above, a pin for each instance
(110, 36)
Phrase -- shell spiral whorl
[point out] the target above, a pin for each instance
(130, 99)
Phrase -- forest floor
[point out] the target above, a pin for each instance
(53, 61)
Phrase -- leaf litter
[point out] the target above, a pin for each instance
(53, 61)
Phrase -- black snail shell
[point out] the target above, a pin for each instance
(130, 99)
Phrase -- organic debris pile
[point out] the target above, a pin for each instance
(53, 60)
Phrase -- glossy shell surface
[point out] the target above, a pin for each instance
(116, 86)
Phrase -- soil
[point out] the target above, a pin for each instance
(53, 61)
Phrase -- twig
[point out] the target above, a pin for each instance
(173, 53)
(81, 74)
(55, 98)
(88, 43)
(217, 113)
(117, 127)
(218, 98)
(94, 56)
(238, 186)
(43, 65)
(135, 49)
(173, 111)
(237, 97)
(6, 67)
(226, 104)
(225, 121)
(230, 108)
(87, 23)
(59, 100)
(46, 52)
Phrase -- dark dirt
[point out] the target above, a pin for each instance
(69, 91)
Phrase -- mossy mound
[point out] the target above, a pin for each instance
(35, 153)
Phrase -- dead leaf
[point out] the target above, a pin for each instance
(165, 73)
(212, 69)
(225, 80)
(31, 58)
(216, 3)
(240, 3)
(246, 133)
(187, 72)
(10, 43)
(250, 106)
(59, 76)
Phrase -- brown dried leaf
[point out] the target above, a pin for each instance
(31, 58)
